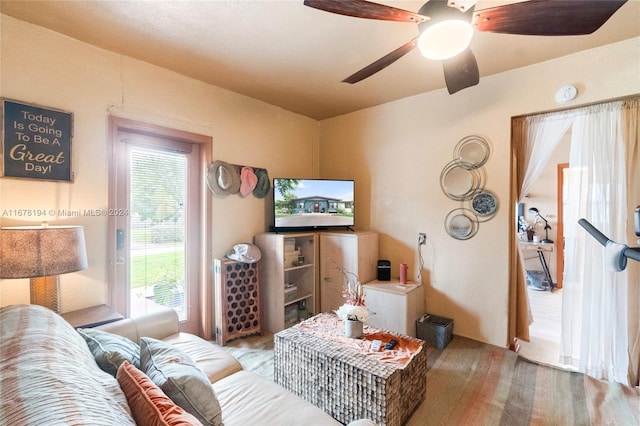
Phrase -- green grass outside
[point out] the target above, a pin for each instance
(155, 268)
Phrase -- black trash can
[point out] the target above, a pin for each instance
(436, 331)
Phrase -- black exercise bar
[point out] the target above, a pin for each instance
(630, 252)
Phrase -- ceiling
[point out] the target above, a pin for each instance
(290, 55)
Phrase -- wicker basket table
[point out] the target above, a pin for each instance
(346, 382)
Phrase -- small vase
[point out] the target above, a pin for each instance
(353, 328)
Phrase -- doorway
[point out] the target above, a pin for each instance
(563, 177)
(546, 306)
(600, 309)
(544, 195)
(158, 243)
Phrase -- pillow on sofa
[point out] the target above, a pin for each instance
(149, 405)
(181, 379)
(110, 350)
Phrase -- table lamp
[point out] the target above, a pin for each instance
(535, 211)
(42, 253)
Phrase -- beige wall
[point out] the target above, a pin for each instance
(397, 151)
(42, 67)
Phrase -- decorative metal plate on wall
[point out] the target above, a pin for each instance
(485, 205)
(460, 181)
(463, 179)
(461, 224)
(473, 150)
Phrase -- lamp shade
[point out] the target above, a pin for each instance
(33, 251)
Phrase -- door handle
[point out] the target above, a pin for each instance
(120, 239)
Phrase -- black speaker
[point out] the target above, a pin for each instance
(384, 270)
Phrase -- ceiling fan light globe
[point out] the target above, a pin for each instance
(445, 39)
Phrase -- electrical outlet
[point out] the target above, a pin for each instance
(422, 238)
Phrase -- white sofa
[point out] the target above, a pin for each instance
(50, 377)
(245, 398)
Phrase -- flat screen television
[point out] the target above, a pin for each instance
(306, 204)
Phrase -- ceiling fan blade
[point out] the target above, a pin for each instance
(461, 71)
(547, 17)
(366, 9)
(382, 63)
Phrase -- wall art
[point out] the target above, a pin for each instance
(37, 142)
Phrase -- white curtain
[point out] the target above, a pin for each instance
(544, 132)
(597, 318)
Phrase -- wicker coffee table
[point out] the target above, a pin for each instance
(344, 378)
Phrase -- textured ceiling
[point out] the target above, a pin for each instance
(290, 55)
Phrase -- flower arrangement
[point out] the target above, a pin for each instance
(353, 313)
(524, 224)
(527, 230)
(354, 307)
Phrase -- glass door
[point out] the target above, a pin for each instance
(158, 248)
(157, 229)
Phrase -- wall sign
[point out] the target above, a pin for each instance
(37, 142)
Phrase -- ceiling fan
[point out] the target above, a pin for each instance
(446, 28)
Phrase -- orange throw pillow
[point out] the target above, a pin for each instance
(149, 405)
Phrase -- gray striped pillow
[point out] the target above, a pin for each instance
(110, 350)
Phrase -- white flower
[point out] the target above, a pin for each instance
(353, 312)
(524, 224)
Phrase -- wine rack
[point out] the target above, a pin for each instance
(237, 299)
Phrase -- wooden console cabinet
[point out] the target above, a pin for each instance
(356, 252)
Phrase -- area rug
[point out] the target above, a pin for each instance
(258, 358)
(472, 383)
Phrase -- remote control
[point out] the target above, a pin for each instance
(392, 343)
(375, 345)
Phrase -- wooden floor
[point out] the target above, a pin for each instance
(544, 346)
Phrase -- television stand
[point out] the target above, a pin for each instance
(285, 229)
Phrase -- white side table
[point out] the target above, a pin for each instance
(394, 306)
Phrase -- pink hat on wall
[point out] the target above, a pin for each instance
(248, 181)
